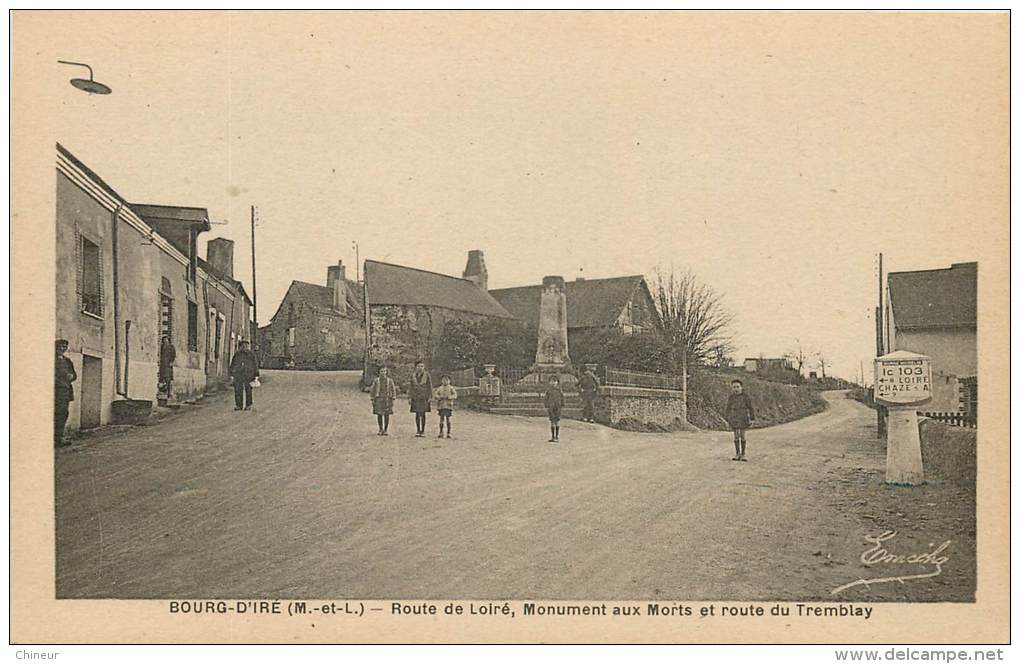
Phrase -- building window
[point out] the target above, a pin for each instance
(219, 336)
(166, 316)
(210, 350)
(192, 326)
(290, 337)
(90, 277)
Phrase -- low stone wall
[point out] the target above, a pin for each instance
(949, 453)
(640, 406)
(629, 408)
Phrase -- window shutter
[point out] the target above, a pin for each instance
(78, 266)
(102, 283)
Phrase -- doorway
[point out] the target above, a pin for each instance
(91, 391)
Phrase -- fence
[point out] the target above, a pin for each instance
(511, 375)
(628, 378)
(462, 377)
(955, 419)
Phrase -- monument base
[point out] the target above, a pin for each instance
(903, 463)
(540, 374)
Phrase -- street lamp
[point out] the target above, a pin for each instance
(89, 85)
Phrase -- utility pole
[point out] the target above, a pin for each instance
(880, 339)
(254, 289)
(880, 342)
(357, 261)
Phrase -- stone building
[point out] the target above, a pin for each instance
(593, 305)
(228, 310)
(317, 327)
(934, 312)
(126, 275)
(408, 309)
(223, 307)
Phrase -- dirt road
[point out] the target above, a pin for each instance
(300, 498)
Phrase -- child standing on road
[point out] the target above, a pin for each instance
(383, 392)
(554, 405)
(419, 394)
(445, 395)
(740, 417)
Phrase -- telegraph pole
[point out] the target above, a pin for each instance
(880, 343)
(254, 290)
(880, 338)
(357, 261)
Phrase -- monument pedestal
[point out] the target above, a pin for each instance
(540, 374)
(903, 464)
(552, 357)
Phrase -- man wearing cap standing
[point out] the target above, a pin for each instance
(244, 368)
(63, 391)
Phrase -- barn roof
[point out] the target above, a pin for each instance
(590, 302)
(934, 298)
(399, 285)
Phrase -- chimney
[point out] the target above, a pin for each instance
(336, 280)
(220, 254)
(475, 270)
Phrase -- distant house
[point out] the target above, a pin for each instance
(623, 303)
(763, 365)
(317, 327)
(934, 312)
(408, 309)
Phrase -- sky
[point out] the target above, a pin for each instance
(774, 154)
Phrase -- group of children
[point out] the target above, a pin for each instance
(420, 395)
(739, 413)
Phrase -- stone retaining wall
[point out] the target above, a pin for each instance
(641, 405)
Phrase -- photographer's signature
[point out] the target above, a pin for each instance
(879, 555)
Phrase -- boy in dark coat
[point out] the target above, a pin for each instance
(740, 417)
(63, 391)
(419, 393)
(244, 368)
(554, 405)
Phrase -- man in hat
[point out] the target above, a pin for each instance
(588, 384)
(244, 368)
(63, 391)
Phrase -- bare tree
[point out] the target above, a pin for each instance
(797, 357)
(696, 322)
(721, 356)
(821, 363)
